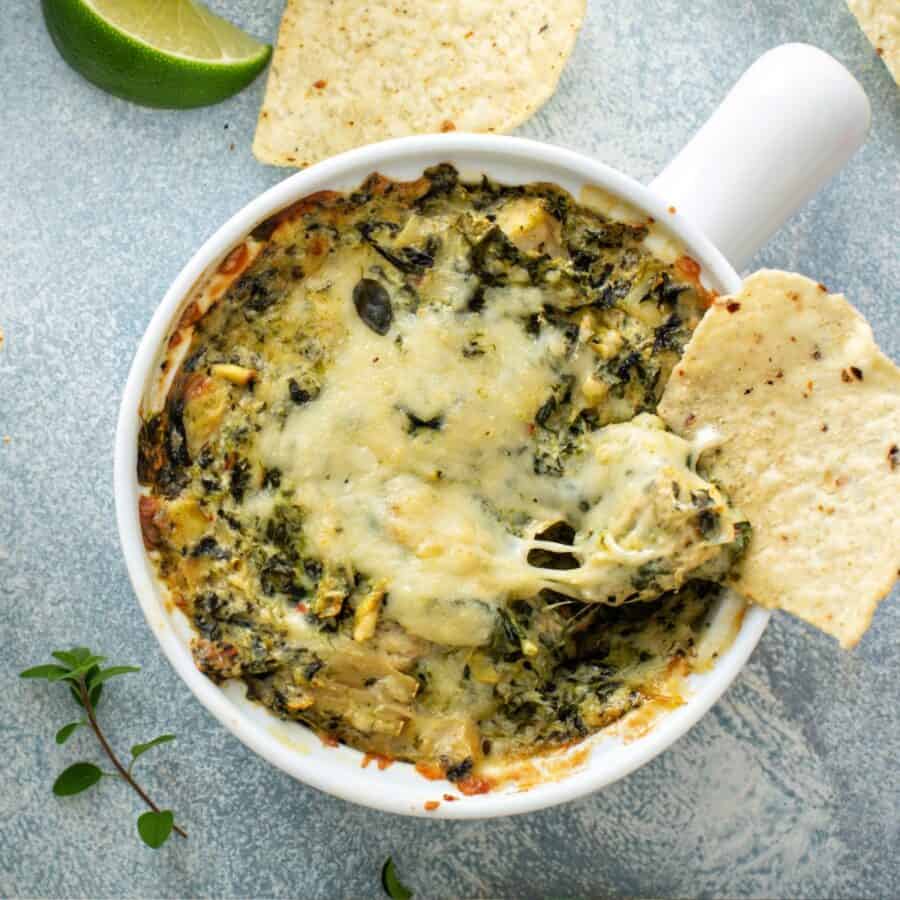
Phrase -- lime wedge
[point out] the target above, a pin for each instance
(168, 53)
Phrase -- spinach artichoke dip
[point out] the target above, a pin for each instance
(402, 471)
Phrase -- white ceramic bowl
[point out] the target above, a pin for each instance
(731, 183)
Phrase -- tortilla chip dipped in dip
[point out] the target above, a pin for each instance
(346, 74)
(807, 410)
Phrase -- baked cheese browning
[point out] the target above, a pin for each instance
(408, 458)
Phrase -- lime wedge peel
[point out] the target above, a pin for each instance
(163, 53)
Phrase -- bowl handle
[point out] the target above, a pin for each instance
(791, 121)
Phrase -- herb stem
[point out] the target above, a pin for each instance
(125, 773)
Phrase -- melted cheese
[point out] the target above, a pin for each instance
(417, 506)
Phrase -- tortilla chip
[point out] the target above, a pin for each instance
(880, 20)
(808, 409)
(347, 73)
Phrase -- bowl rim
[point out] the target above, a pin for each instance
(469, 153)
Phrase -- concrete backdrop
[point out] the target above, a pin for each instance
(788, 788)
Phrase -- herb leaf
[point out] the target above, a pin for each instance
(140, 749)
(393, 887)
(67, 731)
(105, 674)
(77, 778)
(49, 671)
(94, 692)
(72, 658)
(155, 827)
(84, 667)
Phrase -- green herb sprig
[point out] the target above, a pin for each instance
(81, 670)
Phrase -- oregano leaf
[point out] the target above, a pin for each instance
(140, 749)
(72, 658)
(84, 667)
(67, 657)
(155, 827)
(77, 778)
(67, 731)
(49, 671)
(393, 887)
(94, 695)
(105, 674)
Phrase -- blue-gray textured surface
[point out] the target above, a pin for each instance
(788, 787)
